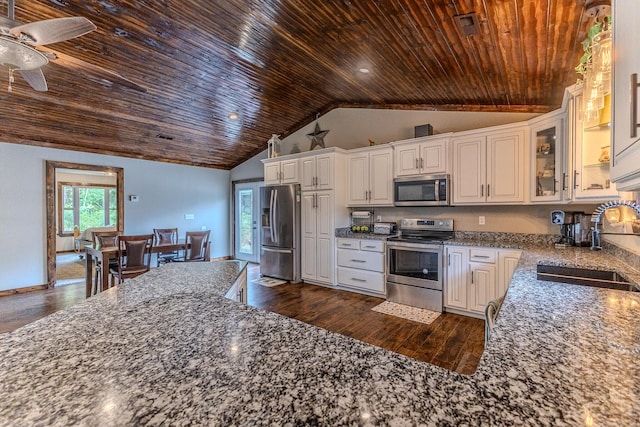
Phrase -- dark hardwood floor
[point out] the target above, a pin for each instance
(453, 342)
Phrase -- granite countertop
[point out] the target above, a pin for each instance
(160, 350)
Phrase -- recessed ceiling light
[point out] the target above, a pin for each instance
(364, 70)
(233, 116)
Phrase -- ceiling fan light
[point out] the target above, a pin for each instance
(19, 56)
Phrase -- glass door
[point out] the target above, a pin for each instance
(549, 178)
(246, 212)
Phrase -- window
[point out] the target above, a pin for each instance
(86, 205)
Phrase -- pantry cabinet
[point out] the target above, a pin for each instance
(370, 177)
(278, 172)
(489, 166)
(626, 69)
(475, 276)
(317, 237)
(422, 156)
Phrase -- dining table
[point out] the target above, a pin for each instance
(104, 254)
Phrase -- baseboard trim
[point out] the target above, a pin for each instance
(23, 290)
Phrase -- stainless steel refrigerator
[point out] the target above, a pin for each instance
(280, 225)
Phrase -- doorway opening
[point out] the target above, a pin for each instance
(62, 215)
(246, 207)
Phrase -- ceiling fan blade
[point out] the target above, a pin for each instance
(35, 78)
(53, 30)
(93, 71)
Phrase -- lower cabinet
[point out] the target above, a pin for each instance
(475, 276)
(238, 291)
(361, 265)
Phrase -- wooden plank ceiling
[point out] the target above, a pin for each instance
(278, 63)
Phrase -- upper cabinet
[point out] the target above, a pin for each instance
(625, 147)
(489, 166)
(281, 171)
(318, 172)
(548, 175)
(370, 177)
(422, 156)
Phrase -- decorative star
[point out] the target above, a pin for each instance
(317, 137)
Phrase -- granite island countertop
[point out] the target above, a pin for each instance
(160, 351)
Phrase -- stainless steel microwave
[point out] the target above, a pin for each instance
(425, 190)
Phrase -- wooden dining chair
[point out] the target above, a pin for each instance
(103, 239)
(134, 256)
(166, 236)
(196, 245)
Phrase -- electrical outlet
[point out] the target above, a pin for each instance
(379, 218)
(481, 220)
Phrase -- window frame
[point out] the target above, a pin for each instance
(76, 212)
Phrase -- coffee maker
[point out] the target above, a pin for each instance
(574, 228)
(565, 221)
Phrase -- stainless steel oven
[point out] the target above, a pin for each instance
(415, 270)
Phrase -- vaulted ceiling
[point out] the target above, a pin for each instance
(158, 78)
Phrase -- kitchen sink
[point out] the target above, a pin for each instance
(584, 276)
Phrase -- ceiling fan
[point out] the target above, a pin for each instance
(18, 43)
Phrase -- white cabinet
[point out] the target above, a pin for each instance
(281, 171)
(370, 177)
(318, 172)
(238, 291)
(318, 237)
(475, 276)
(548, 177)
(361, 265)
(626, 135)
(591, 178)
(422, 156)
(489, 166)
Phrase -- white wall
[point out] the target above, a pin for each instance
(250, 169)
(352, 127)
(166, 192)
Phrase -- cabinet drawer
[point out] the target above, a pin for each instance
(372, 245)
(482, 255)
(361, 279)
(373, 261)
(348, 243)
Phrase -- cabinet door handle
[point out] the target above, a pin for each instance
(357, 280)
(555, 181)
(488, 190)
(417, 163)
(634, 105)
(346, 244)
(369, 194)
(575, 178)
(358, 260)
(564, 181)
(449, 259)
(472, 277)
(481, 190)
(421, 163)
(370, 247)
(481, 256)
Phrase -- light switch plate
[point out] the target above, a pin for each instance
(189, 216)
(481, 220)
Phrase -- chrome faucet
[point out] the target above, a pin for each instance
(595, 218)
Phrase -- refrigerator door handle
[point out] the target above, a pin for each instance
(275, 215)
(280, 251)
(271, 215)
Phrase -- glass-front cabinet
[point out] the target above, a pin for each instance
(592, 156)
(549, 181)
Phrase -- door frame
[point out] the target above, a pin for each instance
(233, 213)
(50, 205)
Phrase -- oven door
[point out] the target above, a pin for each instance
(415, 264)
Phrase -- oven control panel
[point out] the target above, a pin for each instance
(436, 224)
